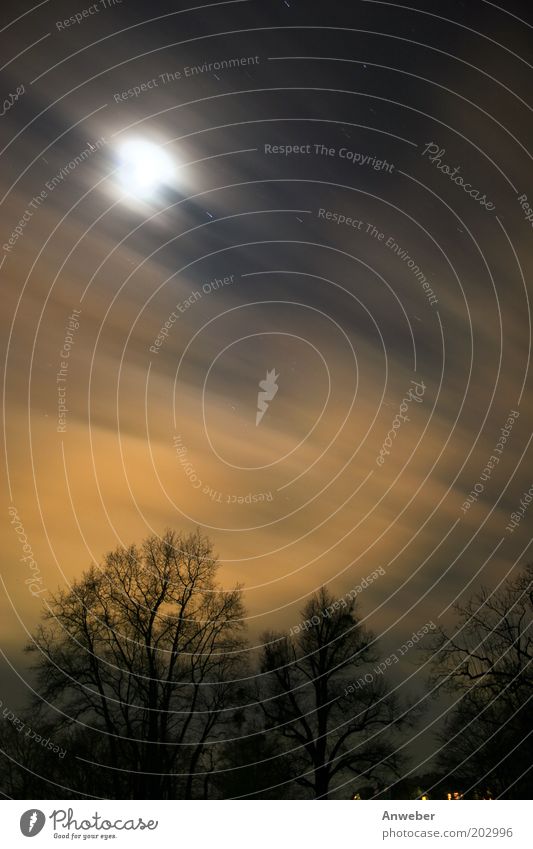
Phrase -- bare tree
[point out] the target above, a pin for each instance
(144, 651)
(334, 728)
(487, 662)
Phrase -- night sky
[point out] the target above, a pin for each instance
(344, 213)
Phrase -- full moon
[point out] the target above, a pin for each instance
(144, 167)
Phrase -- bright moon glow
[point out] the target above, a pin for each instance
(144, 167)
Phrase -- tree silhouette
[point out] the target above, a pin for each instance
(335, 730)
(141, 653)
(250, 766)
(487, 660)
